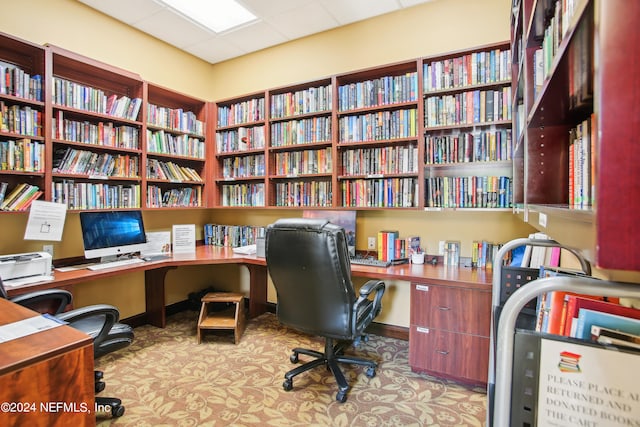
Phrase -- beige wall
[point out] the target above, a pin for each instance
(432, 28)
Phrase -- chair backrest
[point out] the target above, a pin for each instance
(308, 261)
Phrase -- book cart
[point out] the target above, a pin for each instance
(508, 306)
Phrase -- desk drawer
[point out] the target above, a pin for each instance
(451, 354)
(451, 309)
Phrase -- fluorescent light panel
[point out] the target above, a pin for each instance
(216, 15)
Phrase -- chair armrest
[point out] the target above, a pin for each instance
(94, 320)
(55, 299)
(366, 290)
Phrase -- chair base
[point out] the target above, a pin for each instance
(115, 408)
(333, 354)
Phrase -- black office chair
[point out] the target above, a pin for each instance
(308, 261)
(99, 321)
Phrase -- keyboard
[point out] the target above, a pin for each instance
(113, 264)
(371, 262)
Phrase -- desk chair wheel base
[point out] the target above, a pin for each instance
(115, 404)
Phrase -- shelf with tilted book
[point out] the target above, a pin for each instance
(95, 133)
(22, 119)
(175, 149)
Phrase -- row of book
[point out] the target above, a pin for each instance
(293, 193)
(20, 119)
(586, 317)
(582, 164)
(175, 119)
(243, 194)
(88, 195)
(484, 146)
(304, 131)
(232, 235)
(102, 133)
(307, 101)
(467, 70)
(468, 192)
(177, 145)
(74, 95)
(380, 193)
(82, 162)
(170, 171)
(393, 159)
(390, 246)
(23, 155)
(158, 197)
(303, 162)
(381, 91)
(240, 139)
(20, 198)
(14, 81)
(484, 253)
(381, 125)
(248, 111)
(471, 107)
(243, 166)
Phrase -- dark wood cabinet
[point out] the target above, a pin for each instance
(449, 331)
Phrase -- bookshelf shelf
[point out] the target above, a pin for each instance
(575, 160)
(467, 144)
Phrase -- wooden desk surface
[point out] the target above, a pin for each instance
(206, 254)
(24, 351)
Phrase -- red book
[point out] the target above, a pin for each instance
(576, 302)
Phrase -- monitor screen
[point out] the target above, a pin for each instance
(345, 219)
(112, 233)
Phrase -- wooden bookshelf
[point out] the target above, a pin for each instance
(240, 158)
(301, 157)
(176, 149)
(22, 114)
(95, 133)
(467, 129)
(376, 134)
(579, 113)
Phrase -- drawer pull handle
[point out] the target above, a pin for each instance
(443, 308)
(443, 352)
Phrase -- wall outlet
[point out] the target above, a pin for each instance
(371, 243)
(441, 247)
(48, 249)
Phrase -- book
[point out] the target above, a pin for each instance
(3, 190)
(587, 318)
(612, 337)
(577, 302)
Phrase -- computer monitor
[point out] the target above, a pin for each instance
(345, 219)
(110, 234)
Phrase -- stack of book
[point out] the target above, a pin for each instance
(20, 198)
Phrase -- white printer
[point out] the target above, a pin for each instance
(30, 264)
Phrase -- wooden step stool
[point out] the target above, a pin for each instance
(230, 318)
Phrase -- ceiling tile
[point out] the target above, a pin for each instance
(127, 11)
(303, 20)
(346, 12)
(268, 8)
(254, 37)
(172, 28)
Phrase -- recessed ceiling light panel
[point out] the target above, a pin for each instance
(216, 15)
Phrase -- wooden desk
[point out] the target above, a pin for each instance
(452, 304)
(46, 379)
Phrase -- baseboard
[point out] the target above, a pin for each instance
(389, 331)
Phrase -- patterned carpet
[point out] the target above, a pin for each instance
(166, 379)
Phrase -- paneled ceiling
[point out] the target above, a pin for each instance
(279, 21)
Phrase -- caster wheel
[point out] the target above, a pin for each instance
(117, 411)
(99, 386)
(341, 396)
(294, 358)
(287, 385)
(371, 372)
